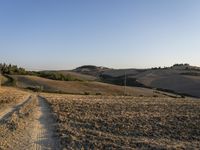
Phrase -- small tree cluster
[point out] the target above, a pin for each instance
(12, 69)
(57, 76)
(178, 65)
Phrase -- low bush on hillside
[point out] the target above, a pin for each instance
(57, 76)
(86, 93)
(36, 88)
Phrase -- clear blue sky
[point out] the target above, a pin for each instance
(63, 34)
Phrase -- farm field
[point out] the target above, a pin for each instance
(10, 97)
(79, 87)
(61, 121)
(30, 126)
(116, 122)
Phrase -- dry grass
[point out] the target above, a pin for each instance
(77, 87)
(114, 122)
(11, 96)
(14, 130)
(77, 75)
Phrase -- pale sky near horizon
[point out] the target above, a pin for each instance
(64, 34)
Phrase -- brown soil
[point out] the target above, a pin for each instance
(111, 122)
(29, 126)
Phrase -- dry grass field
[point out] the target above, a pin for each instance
(11, 96)
(115, 122)
(176, 78)
(77, 75)
(79, 87)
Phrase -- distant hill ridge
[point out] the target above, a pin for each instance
(180, 78)
(91, 70)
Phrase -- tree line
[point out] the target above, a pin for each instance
(9, 69)
(12, 69)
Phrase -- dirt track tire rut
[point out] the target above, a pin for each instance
(37, 131)
(8, 111)
(44, 126)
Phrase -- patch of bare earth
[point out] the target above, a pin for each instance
(43, 134)
(114, 122)
(29, 127)
(15, 128)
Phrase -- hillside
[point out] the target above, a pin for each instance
(79, 76)
(91, 70)
(181, 79)
(80, 87)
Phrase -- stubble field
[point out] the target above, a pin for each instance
(116, 122)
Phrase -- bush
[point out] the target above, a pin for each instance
(86, 93)
(12, 69)
(57, 76)
(36, 88)
(98, 93)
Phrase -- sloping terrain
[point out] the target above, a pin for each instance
(91, 70)
(78, 87)
(182, 84)
(178, 79)
(79, 76)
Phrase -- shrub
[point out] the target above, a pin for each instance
(36, 88)
(86, 93)
(98, 93)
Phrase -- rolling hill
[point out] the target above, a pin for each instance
(76, 75)
(80, 87)
(180, 78)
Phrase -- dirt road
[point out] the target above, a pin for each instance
(8, 110)
(44, 128)
(31, 127)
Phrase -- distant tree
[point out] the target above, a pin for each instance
(177, 65)
(12, 69)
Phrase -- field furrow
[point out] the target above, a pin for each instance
(117, 122)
